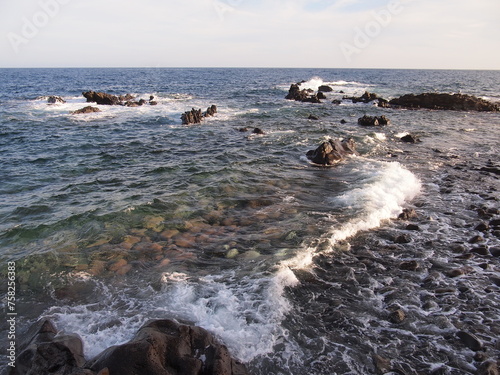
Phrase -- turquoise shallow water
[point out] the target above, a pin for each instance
(293, 266)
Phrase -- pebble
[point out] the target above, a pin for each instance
(476, 239)
(397, 316)
(411, 265)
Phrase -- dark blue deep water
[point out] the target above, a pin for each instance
(125, 215)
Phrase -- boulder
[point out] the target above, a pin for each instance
(211, 111)
(373, 120)
(46, 352)
(55, 99)
(410, 138)
(368, 97)
(332, 151)
(470, 340)
(88, 109)
(325, 88)
(313, 117)
(167, 347)
(456, 102)
(101, 98)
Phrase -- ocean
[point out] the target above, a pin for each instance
(121, 216)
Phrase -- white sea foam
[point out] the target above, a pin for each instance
(380, 195)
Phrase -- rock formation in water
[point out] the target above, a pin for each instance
(87, 109)
(456, 102)
(160, 347)
(195, 116)
(332, 151)
(304, 95)
(373, 120)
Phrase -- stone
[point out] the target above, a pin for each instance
(195, 116)
(397, 316)
(402, 238)
(45, 351)
(55, 99)
(408, 213)
(488, 368)
(482, 227)
(476, 239)
(167, 347)
(258, 131)
(313, 117)
(470, 340)
(382, 365)
(456, 102)
(343, 121)
(332, 151)
(411, 265)
(87, 109)
(373, 120)
(412, 227)
(409, 138)
(325, 88)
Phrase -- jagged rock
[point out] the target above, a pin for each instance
(325, 88)
(368, 97)
(211, 111)
(88, 109)
(45, 352)
(332, 151)
(456, 102)
(295, 93)
(195, 116)
(126, 98)
(55, 99)
(373, 120)
(101, 98)
(167, 347)
(320, 95)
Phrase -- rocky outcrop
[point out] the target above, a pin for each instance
(55, 99)
(88, 109)
(373, 120)
(195, 116)
(456, 102)
(332, 151)
(160, 347)
(101, 98)
(304, 95)
(47, 352)
(368, 97)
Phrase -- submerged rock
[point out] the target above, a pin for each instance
(368, 97)
(456, 102)
(325, 88)
(409, 138)
(88, 109)
(332, 151)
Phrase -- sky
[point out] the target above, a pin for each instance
(413, 34)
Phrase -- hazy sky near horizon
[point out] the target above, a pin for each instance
(440, 34)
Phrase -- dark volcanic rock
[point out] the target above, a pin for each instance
(88, 109)
(368, 97)
(409, 138)
(373, 120)
(332, 151)
(195, 116)
(101, 98)
(456, 102)
(313, 117)
(167, 347)
(55, 99)
(295, 93)
(45, 352)
(325, 88)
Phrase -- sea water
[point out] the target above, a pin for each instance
(125, 215)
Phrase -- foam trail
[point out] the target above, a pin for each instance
(381, 196)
